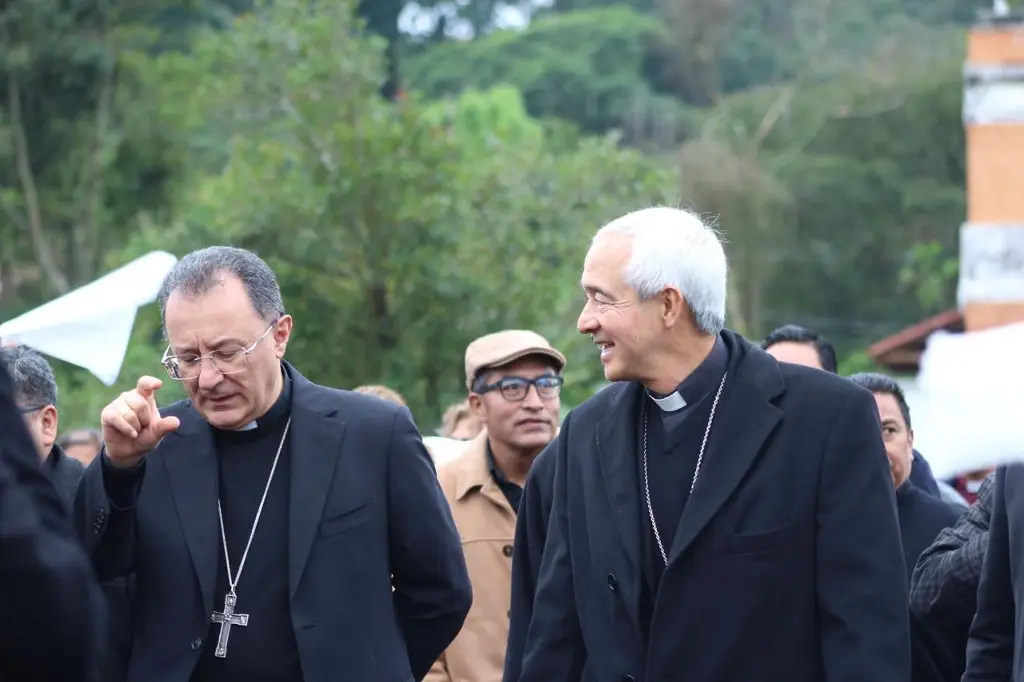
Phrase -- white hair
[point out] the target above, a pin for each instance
(674, 248)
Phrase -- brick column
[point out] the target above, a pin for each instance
(991, 288)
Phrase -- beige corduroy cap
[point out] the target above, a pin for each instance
(501, 348)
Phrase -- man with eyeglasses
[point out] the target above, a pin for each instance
(280, 530)
(514, 381)
(35, 390)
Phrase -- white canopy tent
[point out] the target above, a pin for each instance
(91, 326)
(968, 402)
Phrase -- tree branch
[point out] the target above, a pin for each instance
(773, 115)
(87, 236)
(30, 195)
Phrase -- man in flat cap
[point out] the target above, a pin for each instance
(514, 378)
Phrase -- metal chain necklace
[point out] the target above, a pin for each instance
(228, 617)
(696, 471)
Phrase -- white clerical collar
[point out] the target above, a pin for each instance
(673, 402)
(249, 427)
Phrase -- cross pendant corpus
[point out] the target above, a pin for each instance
(226, 620)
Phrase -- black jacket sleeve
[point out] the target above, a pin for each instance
(432, 592)
(104, 514)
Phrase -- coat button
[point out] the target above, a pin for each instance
(613, 582)
(197, 644)
(628, 678)
(507, 550)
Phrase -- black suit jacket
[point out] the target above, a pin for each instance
(995, 637)
(787, 563)
(366, 515)
(49, 599)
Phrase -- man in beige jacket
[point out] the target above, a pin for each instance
(514, 379)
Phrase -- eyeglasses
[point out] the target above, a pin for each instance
(515, 389)
(30, 408)
(225, 361)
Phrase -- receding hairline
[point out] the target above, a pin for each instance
(194, 291)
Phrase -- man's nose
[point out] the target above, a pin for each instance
(533, 401)
(209, 376)
(586, 324)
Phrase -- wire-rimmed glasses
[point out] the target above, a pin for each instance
(225, 360)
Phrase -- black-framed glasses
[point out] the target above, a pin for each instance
(225, 361)
(30, 408)
(515, 389)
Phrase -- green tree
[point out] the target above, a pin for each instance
(78, 159)
(586, 67)
(400, 231)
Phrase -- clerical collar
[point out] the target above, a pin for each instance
(701, 381)
(277, 411)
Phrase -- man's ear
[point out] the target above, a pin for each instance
(51, 422)
(673, 307)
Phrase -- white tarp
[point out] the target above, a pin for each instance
(443, 449)
(970, 411)
(91, 326)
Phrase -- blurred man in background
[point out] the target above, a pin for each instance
(82, 444)
(35, 393)
(802, 346)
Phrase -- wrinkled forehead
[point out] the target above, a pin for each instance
(605, 264)
(223, 315)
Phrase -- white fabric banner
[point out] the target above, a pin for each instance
(970, 401)
(91, 326)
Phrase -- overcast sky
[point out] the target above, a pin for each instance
(415, 20)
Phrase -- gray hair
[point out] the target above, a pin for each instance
(199, 271)
(674, 248)
(32, 376)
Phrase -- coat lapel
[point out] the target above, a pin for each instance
(745, 418)
(316, 438)
(616, 446)
(191, 464)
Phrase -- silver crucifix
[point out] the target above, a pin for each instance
(226, 620)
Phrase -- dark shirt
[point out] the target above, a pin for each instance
(64, 471)
(673, 447)
(265, 650)
(513, 492)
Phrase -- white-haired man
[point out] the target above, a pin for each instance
(715, 515)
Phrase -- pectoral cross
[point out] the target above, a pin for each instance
(226, 620)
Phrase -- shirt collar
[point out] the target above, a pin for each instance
(496, 473)
(701, 381)
(277, 411)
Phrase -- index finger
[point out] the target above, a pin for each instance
(148, 385)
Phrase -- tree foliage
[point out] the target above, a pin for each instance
(400, 232)
(584, 67)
